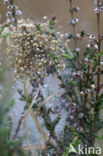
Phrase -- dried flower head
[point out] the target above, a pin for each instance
(37, 49)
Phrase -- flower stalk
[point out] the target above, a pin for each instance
(96, 112)
(73, 24)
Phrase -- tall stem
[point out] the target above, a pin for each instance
(74, 28)
(98, 70)
(99, 48)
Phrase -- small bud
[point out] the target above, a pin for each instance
(77, 50)
(88, 46)
(90, 61)
(77, 8)
(71, 117)
(11, 6)
(91, 37)
(93, 86)
(81, 115)
(96, 10)
(68, 35)
(101, 63)
(96, 46)
(78, 36)
(86, 60)
(18, 12)
(45, 17)
(79, 73)
(75, 21)
(101, 9)
(9, 13)
(53, 18)
(88, 90)
(12, 19)
(74, 104)
(6, 2)
(82, 93)
(8, 20)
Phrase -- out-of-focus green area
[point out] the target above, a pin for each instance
(8, 146)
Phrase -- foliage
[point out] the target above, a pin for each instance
(40, 51)
(8, 146)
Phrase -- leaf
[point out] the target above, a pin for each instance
(5, 35)
(39, 152)
(39, 27)
(11, 104)
(55, 122)
(66, 151)
(68, 54)
(51, 24)
(85, 67)
(51, 31)
(95, 63)
(53, 56)
(20, 91)
(100, 54)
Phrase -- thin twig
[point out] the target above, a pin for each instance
(18, 126)
(74, 28)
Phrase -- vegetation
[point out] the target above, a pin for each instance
(37, 51)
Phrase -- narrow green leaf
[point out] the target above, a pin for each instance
(11, 104)
(68, 54)
(5, 35)
(53, 56)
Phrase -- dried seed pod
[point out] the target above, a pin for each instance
(37, 51)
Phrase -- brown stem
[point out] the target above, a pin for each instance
(53, 135)
(74, 32)
(74, 28)
(98, 70)
(18, 126)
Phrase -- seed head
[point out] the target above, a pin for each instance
(36, 49)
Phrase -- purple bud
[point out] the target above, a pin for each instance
(91, 37)
(82, 93)
(75, 21)
(18, 12)
(9, 13)
(6, 2)
(81, 115)
(93, 86)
